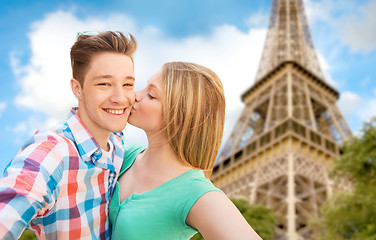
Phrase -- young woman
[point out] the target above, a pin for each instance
(164, 191)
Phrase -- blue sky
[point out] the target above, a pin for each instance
(226, 36)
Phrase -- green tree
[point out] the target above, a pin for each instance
(352, 215)
(261, 218)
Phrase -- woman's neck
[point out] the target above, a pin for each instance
(160, 155)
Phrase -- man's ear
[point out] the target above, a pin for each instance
(76, 88)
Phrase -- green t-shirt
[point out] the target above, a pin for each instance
(161, 212)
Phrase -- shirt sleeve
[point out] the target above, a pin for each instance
(28, 188)
(191, 193)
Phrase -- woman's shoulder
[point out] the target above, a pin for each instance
(198, 181)
(195, 185)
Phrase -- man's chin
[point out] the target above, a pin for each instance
(119, 129)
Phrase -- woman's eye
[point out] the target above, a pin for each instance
(103, 84)
(150, 96)
(128, 85)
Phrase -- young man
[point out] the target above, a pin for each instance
(61, 181)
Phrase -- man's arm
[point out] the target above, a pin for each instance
(28, 188)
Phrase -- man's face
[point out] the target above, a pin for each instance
(107, 95)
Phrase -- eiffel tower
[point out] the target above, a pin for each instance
(290, 129)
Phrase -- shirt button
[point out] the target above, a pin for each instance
(97, 151)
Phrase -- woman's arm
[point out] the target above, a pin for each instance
(217, 218)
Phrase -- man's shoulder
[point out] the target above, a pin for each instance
(45, 148)
(48, 140)
(52, 135)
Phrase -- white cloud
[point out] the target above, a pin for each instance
(317, 10)
(32, 124)
(325, 68)
(354, 22)
(3, 106)
(327, 10)
(25, 129)
(368, 110)
(20, 128)
(44, 80)
(349, 103)
(258, 19)
(365, 81)
(357, 109)
(359, 29)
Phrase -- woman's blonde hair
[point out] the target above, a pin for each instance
(193, 113)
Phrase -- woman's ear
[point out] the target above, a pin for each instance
(76, 88)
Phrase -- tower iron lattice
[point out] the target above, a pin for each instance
(290, 129)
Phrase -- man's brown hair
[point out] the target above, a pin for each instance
(88, 46)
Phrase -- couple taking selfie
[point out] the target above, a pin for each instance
(79, 181)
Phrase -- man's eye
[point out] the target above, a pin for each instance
(128, 85)
(103, 84)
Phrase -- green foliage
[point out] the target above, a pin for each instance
(352, 215)
(358, 161)
(28, 235)
(261, 218)
(347, 216)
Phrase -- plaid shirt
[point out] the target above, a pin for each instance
(59, 185)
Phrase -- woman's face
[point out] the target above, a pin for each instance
(147, 110)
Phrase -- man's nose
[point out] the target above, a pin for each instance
(118, 95)
(138, 96)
